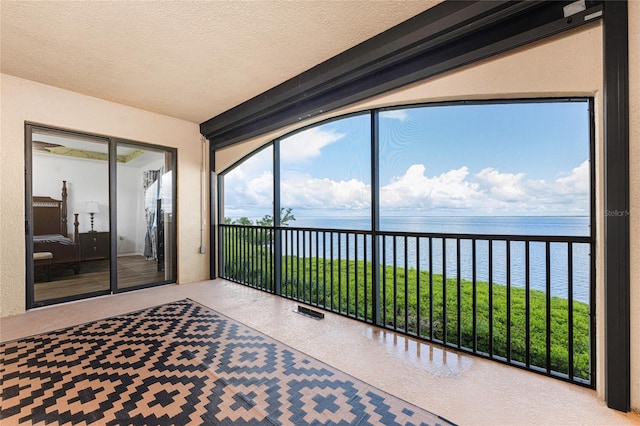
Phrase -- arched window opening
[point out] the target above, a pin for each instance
(469, 224)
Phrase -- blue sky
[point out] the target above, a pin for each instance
(477, 159)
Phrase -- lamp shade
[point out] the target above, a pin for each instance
(92, 207)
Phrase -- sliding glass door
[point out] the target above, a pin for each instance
(146, 208)
(100, 215)
(70, 236)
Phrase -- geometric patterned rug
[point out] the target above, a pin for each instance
(181, 364)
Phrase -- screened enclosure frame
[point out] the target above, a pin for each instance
(469, 32)
(375, 233)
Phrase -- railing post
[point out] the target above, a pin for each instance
(277, 261)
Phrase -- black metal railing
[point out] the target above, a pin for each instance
(521, 300)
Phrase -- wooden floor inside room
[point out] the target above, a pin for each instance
(136, 270)
(94, 277)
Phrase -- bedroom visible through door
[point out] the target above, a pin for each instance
(99, 213)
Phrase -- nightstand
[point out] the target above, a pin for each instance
(95, 245)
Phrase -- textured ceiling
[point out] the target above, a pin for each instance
(191, 60)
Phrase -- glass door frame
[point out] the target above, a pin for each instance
(113, 201)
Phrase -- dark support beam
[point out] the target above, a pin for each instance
(616, 201)
(277, 235)
(375, 216)
(221, 239)
(447, 36)
(213, 222)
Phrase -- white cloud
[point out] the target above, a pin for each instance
(486, 192)
(501, 186)
(568, 194)
(307, 144)
(576, 182)
(250, 186)
(303, 190)
(415, 190)
(252, 191)
(396, 114)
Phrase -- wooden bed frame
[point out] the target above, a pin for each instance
(50, 218)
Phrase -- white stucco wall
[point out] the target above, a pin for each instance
(24, 100)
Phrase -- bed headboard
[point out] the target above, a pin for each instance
(50, 215)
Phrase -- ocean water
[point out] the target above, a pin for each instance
(509, 225)
(507, 264)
